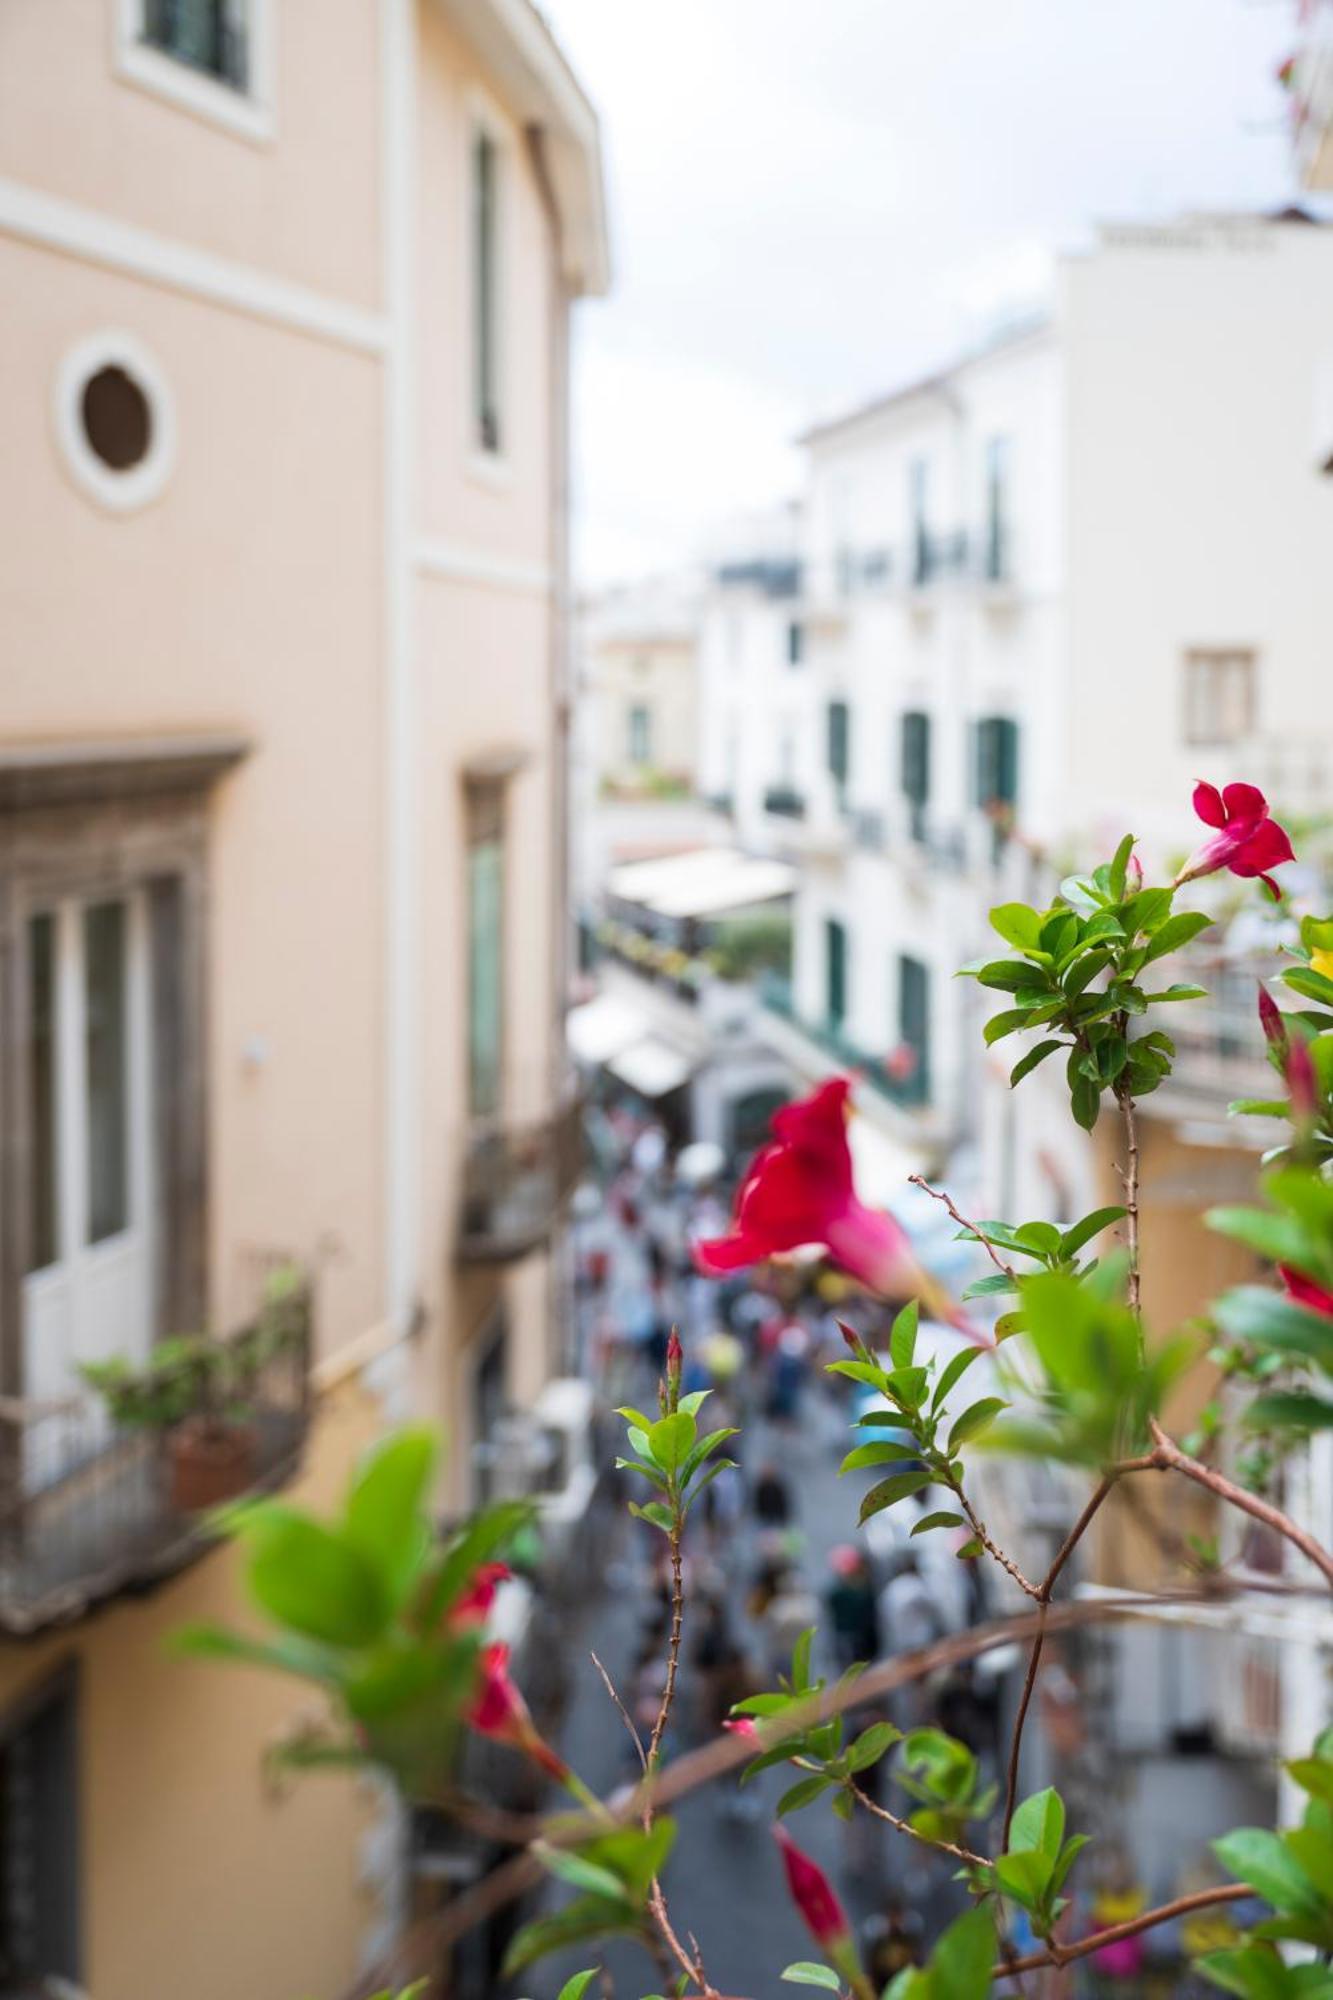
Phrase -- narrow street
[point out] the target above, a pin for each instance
(724, 1883)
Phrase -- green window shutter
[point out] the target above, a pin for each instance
(835, 947)
(839, 741)
(995, 761)
(914, 1018)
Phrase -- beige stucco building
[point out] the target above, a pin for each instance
(282, 686)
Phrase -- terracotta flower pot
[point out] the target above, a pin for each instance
(209, 1463)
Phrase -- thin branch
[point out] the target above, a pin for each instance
(1077, 1532)
(1168, 1453)
(623, 1712)
(1129, 1111)
(1202, 1899)
(963, 1854)
(939, 1194)
(1016, 1743)
(992, 1548)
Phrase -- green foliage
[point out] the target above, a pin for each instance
(960, 1966)
(612, 1873)
(789, 1732)
(360, 1607)
(1096, 1390)
(1033, 1869)
(927, 1452)
(744, 946)
(943, 1778)
(808, 1972)
(1044, 1247)
(670, 1454)
(1293, 1872)
(1281, 1346)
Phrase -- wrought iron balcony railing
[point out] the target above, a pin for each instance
(516, 1179)
(902, 1082)
(91, 1507)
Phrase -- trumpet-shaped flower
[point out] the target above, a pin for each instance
(1247, 839)
(499, 1711)
(1305, 1291)
(799, 1191)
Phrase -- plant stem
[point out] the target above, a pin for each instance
(1016, 1742)
(1129, 1112)
(1202, 1899)
(939, 1194)
(1169, 1454)
(963, 1854)
(992, 1548)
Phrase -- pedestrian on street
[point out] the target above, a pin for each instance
(771, 1499)
(908, 1623)
(853, 1609)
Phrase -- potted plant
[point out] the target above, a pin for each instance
(190, 1392)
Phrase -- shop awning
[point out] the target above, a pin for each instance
(703, 883)
(652, 1066)
(601, 1028)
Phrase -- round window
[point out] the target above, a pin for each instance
(115, 421)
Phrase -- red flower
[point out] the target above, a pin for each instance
(799, 1190)
(1303, 1291)
(474, 1606)
(1247, 841)
(814, 1897)
(499, 1711)
(1271, 1021)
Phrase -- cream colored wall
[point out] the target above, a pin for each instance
(501, 508)
(247, 598)
(304, 207)
(200, 1878)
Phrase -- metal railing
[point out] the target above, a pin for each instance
(516, 1179)
(90, 1507)
(910, 1090)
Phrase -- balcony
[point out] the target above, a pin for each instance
(90, 1508)
(516, 1179)
(784, 801)
(909, 1090)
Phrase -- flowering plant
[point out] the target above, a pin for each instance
(391, 1624)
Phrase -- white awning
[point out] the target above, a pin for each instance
(601, 1028)
(702, 883)
(652, 1067)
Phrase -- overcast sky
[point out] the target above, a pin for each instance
(811, 199)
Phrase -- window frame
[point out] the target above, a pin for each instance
(1197, 659)
(485, 122)
(118, 492)
(249, 113)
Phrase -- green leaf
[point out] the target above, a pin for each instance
(889, 1491)
(1311, 985)
(1024, 1876)
(385, 1518)
(1258, 1856)
(1042, 1238)
(871, 1744)
(1119, 869)
(1017, 925)
(908, 1386)
(951, 1373)
(1177, 993)
(309, 1578)
(655, 1511)
(805, 1972)
(586, 1917)
(961, 1962)
(575, 1988)
(902, 1340)
(978, 1418)
(694, 1402)
(1279, 1238)
(1313, 1852)
(1039, 1823)
(1147, 911)
(1175, 932)
(1266, 1319)
(284, 1654)
(1013, 975)
(568, 1865)
(803, 1794)
(1091, 1225)
(1026, 1064)
(1254, 1971)
(1289, 1410)
(1007, 1023)
(942, 1519)
(1085, 1100)
(987, 1287)
(671, 1439)
(877, 1454)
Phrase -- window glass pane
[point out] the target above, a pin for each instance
(914, 1017)
(207, 34)
(836, 968)
(107, 1056)
(484, 361)
(640, 735)
(42, 1088)
(485, 973)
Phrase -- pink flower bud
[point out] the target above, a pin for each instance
(675, 1358)
(852, 1338)
(1133, 874)
(1270, 1020)
(499, 1711)
(741, 1725)
(1305, 1291)
(814, 1897)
